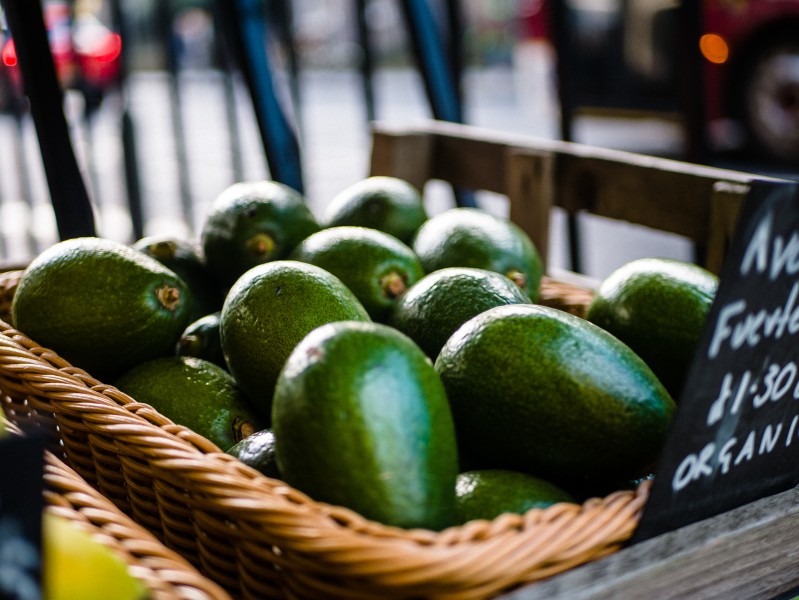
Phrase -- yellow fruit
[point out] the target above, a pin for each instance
(77, 566)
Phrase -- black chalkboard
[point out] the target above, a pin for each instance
(735, 435)
(21, 505)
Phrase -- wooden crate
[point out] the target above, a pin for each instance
(697, 202)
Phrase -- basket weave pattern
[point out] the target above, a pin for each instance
(165, 574)
(258, 537)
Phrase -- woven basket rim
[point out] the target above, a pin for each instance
(185, 446)
(165, 573)
(548, 540)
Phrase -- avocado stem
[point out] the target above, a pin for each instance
(164, 250)
(168, 297)
(261, 244)
(190, 345)
(242, 429)
(392, 284)
(518, 278)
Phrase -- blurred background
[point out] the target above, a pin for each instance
(168, 103)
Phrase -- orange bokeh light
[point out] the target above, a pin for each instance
(714, 48)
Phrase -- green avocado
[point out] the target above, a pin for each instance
(361, 420)
(542, 391)
(658, 307)
(267, 313)
(101, 305)
(194, 393)
(376, 266)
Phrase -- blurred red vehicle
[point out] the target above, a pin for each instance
(86, 54)
(751, 70)
(625, 54)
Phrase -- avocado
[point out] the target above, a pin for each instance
(101, 305)
(252, 222)
(472, 237)
(194, 393)
(268, 311)
(658, 307)
(488, 493)
(389, 204)
(361, 420)
(375, 266)
(201, 339)
(432, 309)
(258, 451)
(542, 391)
(185, 259)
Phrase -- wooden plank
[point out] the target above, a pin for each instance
(530, 188)
(406, 155)
(750, 552)
(477, 164)
(676, 201)
(663, 194)
(468, 134)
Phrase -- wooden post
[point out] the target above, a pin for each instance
(530, 190)
(407, 156)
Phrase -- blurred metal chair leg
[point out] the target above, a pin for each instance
(441, 74)
(245, 31)
(68, 193)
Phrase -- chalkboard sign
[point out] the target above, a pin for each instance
(21, 505)
(735, 435)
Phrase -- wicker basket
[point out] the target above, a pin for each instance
(165, 574)
(258, 537)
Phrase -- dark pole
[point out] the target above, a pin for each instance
(691, 96)
(455, 44)
(564, 56)
(433, 60)
(227, 65)
(128, 130)
(68, 194)
(691, 93)
(366, 60)
(560, 26)
(435, 64)
(245, 33)
(164, 20)
(281, 13)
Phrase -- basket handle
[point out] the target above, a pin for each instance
(68, 193)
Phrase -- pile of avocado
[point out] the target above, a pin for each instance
(377, 357)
